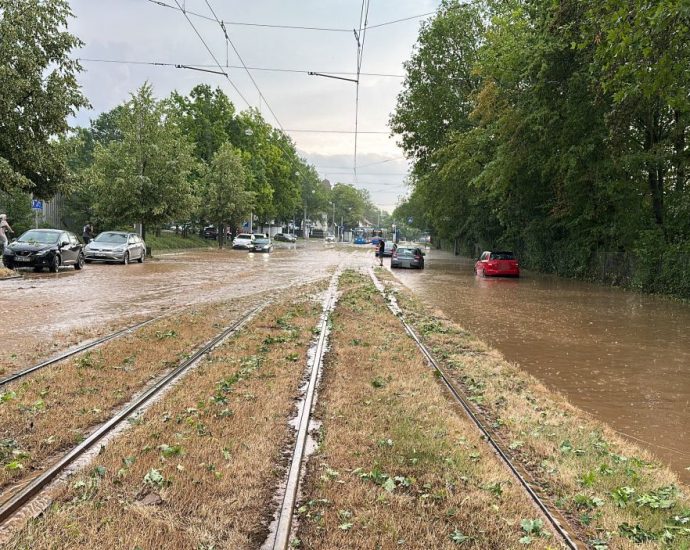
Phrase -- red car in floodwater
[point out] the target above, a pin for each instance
(497, 264)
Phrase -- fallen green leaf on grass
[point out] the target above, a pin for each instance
(458, 537)
(154, 478)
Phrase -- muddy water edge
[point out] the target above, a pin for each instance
(613, 492)
(622, 356)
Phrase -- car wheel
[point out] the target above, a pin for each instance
(55, 264)
(125, 259)
(80, 262)
(141, 257)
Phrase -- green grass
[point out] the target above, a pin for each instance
(170, 241)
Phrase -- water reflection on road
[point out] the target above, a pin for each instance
(40, 306)
(622, 356)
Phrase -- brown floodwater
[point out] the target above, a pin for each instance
(622, 356)
(40, 309)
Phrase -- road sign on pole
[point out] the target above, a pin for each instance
(36, 204)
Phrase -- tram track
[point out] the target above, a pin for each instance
(77, 350)
(23, 495)
(557, 520)
(279, 537)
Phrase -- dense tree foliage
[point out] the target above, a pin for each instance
(39, 92)
(144, 176)
(558, 129)
(225, 198)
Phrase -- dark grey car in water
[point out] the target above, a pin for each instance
(405, 256)
(115, 246)
(39, 248)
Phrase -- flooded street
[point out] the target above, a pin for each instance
(40, 308)
(621, 356)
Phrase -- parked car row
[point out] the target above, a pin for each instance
(260, 242)
(55, 248)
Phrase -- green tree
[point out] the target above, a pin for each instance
(39, 91)
(440, 80)
(224, 195)
(349, 204)
(145, 177)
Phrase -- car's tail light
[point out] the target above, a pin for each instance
(417, 257)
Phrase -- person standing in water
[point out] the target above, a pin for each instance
(4, 229)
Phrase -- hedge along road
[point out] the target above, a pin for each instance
(44, 313)
(622, 356)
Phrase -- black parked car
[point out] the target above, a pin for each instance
(210, 232)
(39, 248)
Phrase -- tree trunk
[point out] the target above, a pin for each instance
(680, 154)
(221, 235)
(654, 178)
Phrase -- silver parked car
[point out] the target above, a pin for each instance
(115, 246)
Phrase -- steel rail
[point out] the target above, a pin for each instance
(74, 351)
(21, 498)
(281, 535)
(560, 523)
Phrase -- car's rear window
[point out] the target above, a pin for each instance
(405, 252)
(502, 256)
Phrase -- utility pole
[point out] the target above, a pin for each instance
(304, 222)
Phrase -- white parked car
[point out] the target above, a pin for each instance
(244, 240)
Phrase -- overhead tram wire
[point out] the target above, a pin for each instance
(229, 41)
(208, 49)
(293, 27)
(226, 66)
(360, 37)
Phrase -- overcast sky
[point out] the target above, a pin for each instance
(141, 30)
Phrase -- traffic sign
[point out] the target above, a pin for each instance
(410, 220)
(36, 204)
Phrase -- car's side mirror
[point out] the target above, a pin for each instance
(64, 243)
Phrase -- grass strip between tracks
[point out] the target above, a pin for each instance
(616, 494)
(52, 409)
(398, 464)
(199, 468)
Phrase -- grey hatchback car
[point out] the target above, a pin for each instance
(115, 246)
(405, 256)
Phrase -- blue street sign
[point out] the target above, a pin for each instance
(245, 225)
(36, 204)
